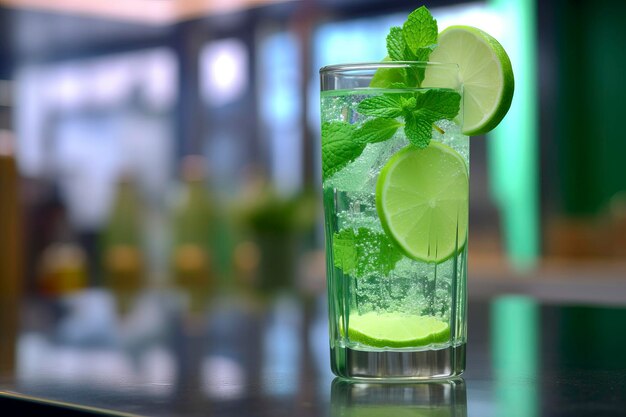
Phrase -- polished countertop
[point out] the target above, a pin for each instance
(249, 357)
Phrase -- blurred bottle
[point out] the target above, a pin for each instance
(122, 246)
(192, 261)
(246, 260)
(63, 269)
(10, 253)
(277, 225)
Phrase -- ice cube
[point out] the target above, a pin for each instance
(361, 174)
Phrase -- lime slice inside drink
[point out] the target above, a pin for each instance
(422, 201)
(485, 71)
(396, 331)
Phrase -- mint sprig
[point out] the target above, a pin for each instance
(396, 45)
(342, 142)
(420, 31)
(414, 41)
(419, 110)
(431, 106)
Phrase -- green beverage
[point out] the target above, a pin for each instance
(395, 296)
(395, 161)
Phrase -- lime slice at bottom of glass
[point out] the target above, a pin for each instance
(395, 330)
(422, 201)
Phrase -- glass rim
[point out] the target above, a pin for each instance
(364, 66)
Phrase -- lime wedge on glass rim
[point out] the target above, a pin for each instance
(485, 71)
(422, 201)
(391, 330)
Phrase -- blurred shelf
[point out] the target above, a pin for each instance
(553, 281)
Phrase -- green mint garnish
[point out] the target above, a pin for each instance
(363, 252)
(407, 104)
(443, 103)
(431, 106)
(344, 251)
(420, 32)
(420, 111)
(415, 40)
(396, 46)
(338, 147)
(386, 105)
(376, 130)
(342, 142)
(418, 130)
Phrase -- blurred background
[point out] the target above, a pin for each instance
(160, 216)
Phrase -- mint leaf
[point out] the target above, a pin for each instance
(363, 252)
(431, 106)
(344, 251)
(422, 54)
(418, 129)
(413, 42)
(441, 103)
(416, 74)
(420, 31)
(338, 148)
(396, 46)
(376, 130)
(387, 105)
(407, 103)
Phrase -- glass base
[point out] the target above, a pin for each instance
(396, 365)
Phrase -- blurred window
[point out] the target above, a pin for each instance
(223, 71)
(279, 79)
(83, 123)
(228, 116)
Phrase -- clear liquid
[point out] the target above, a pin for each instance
(411, 287)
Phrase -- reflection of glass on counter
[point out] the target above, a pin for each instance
(440, 399)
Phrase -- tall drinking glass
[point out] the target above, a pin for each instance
(396, 216)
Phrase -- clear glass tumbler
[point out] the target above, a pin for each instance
(396, 215)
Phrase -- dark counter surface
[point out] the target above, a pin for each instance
(250, 358)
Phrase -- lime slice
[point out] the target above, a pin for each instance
(422, 201)
(396, 330)
(485, 71)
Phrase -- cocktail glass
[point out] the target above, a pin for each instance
(394, 313)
